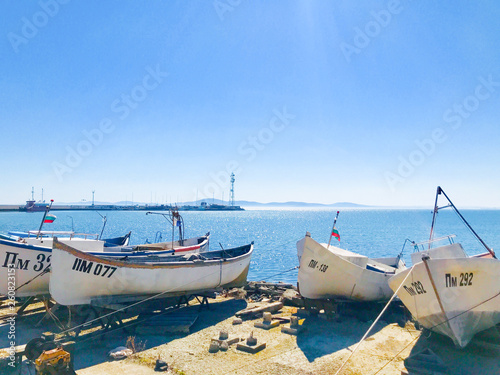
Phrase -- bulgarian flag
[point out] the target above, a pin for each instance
(49, 218)
(335, 233)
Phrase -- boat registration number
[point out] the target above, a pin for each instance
(314, 264)
(96, 269)
(465, 279)
(415, 288)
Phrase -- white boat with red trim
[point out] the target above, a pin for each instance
(80, 278)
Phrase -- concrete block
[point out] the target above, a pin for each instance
(252, 349)
(214, 346)
(267, 316)
(224, 346)
(223, 335)
(267, 325)
(425, 362)
(229, 341)
(292, 331)
(251, 340)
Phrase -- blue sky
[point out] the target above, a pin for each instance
(374, 102)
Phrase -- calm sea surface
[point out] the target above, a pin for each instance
(372, 232)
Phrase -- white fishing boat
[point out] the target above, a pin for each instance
(35, 237)
(80, 278)
(449, 292)
(329, 272)
(29, 262)
(28, 258)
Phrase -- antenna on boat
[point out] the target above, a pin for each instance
(403, 249)
(47, 209)
(105, 220)
(175, 219)
(333, 229)
(436, 209)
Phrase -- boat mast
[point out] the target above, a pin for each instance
(47, 209)
(434, 214)
(179, 222)
(104, 219)
(439, 191)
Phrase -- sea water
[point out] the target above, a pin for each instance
(371, 232)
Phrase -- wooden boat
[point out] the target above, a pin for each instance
(9, 237)
(188, 245)
(117, 241)
(449, 292)
(29, 260)
(34, 234)
(327, 271)
(80, 278)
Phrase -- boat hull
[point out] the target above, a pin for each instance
(22, 264)
(323, 274)
(456, 297)
(79, 278)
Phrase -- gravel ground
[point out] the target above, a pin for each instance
(320, 348)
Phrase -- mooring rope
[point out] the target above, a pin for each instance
(375, 322)
(401, 351)
(279, 273)
(47, 269)
(437, 325)
(136, 303)
(151, 297)
(282, 272)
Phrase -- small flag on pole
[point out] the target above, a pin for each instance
(50, 218)
(335, 233)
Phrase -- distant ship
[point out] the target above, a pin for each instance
(33, 206)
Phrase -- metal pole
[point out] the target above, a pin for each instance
(468, 226)
(434, 214)
(105, 219)
(47, 209)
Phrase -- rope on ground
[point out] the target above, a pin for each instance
(252, 363)
(401, 351)
(437, 325)
(375, 322)
(135, 304)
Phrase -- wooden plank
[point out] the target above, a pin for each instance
(256, 311)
